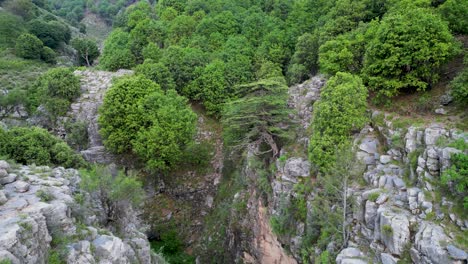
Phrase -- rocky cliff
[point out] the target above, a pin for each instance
(45, 216)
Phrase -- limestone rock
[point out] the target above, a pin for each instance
(8, 179)
(3, 173)
(297, 167)
(428, 243)
(394, 230)
(21, 186)
(4, 165)
(456, 253)
(384, 159)
(388, 259)
(3, 198)
(351, 255)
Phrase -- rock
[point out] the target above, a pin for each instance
(431, 134)
(21, 186)
(440, 111)
(297, 167)
(3, 173)
(8, 179)
(351, 256)
(399, 183)
(428, 243)
(370, 213)
(369, 145)
(4, 165)
(384, 159)
(110, 249)
(394, 230)
(456, 253)
(382, 199)
(446, 99)
(388, 259)
(3, 198)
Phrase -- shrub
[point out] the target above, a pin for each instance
(87, 50)
(459, 87)
(48, 55)
(138, 117)
(158, 73)
(28, 46)
(373, 196)
(116, 54)
(45, 196)
(36, 145)
(340, 111)
(387, 230)
(456, 178)
(454, 11)
(408, 47)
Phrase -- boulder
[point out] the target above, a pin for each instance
(370, 213)
(3, 198)
(394, 230)
(456, 253)
(297, 167)
(388, 259)
(8, 179)
(428, 243)
(4, 165)
(3, 173)
(351, 255)
(431, 134)
(369, 145)
(21, 186)
(384, 159)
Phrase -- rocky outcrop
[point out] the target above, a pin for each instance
(39, 207)
(94, 85)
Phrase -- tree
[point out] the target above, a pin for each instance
(23, 8)
(158, 73)
(258, 117)
(407, 48)
(11, 27)
(28, 46)
(304, 61)
(454, 11)
(33, 145)
(51, 33)
(116, 54)
(340, 111)
(137, 117)
(48, 55)
(455, 179)
(459, 87)
(87, 50)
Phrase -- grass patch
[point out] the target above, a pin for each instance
(373, 196)
(45, 196)
(387, 230)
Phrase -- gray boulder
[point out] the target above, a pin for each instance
(21, 186)
(428, 243)
(394, 230)
(388, 259)
(456, 253)
(351, 255)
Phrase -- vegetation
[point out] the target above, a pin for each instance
(456, 178)
(87, 50)
(171, 248)
(137, 117)
(340, 111)
(36, 146)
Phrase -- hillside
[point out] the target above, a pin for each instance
(190, 131)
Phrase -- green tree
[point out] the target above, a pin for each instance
(28, 46)
(137, 117)
(48, 55)
(116, 54)
(406, 51)
(258, 116)
(304, 61)
(340, 111)
(23, 8)
(51, 33)
(459, 87)
(87, 50)
(35, 145)
(454, 11)
(158, 73)
(456, 178)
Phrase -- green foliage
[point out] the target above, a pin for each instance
(28, 46)
(116, 188)
(11, 27)
(77, 134)
(158, 73)
(48, 55)
(87, 50)
(51, 33)
(45, 196)
(257, 115)
(171, 247)
(454, 11)
(340, 111)
(23, 8)
(459, 87)
(116, 54)
(373, 196)
(304, 61)
(455, 179)
(408, 47)
(138, 117)
(387, 230)
(36, 146)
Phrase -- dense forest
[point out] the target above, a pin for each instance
(227, 66)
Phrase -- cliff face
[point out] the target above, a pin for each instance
(44, 214)
(397, 211)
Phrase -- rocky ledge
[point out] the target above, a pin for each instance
(43, 217)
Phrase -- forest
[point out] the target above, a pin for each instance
(228, 67)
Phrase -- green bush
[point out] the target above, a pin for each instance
(28, 46)
(36, 146)
(340, 111)
(454, 11)
(387, 230)
(138, 117)
(171, 247)
(407, 48)
(48, 55)
(459, 85)
(455, 179)
(158, 73)
(116, 54)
